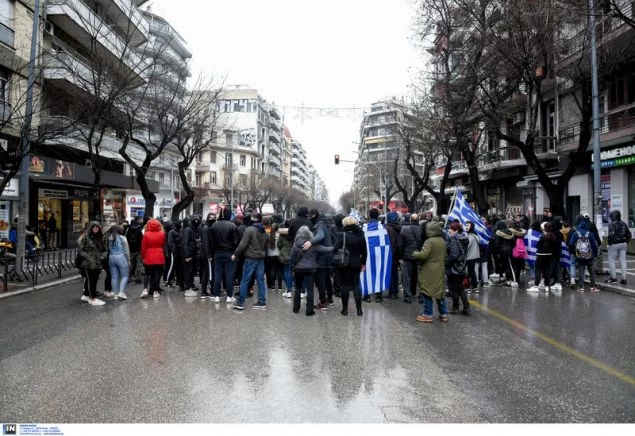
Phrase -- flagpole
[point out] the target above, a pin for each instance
(451, 208)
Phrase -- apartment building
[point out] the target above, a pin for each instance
(300, 169)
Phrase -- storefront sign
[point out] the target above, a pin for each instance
(12, 189)
(618, 157)
(50, 167)
(52, 193)
(136, 200)
(164, 202)
(5, 224)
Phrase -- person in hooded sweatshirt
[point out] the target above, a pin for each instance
(224, 236)
(546, 255)
(206, 258)
(619, 237)
(505, 240)
(167, 227)
(433, 255)
(394, 229)
(285, 245)
(191, 250)
(410, 240)
(153, 255)
(175, 261)
(456, 267)
(134, 234)
(556, 274)
(300, 220)
(353, 238)
(93, 251)
(322, 236)
(336, 234)
(253, 247)
(304, 264)
(585, 253)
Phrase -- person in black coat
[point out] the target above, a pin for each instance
(191, 250)
(175, 266)
(300, 220)
(410, 237)
(336, 233)
(349, 276)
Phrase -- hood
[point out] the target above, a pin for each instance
(354, 229)
(314, 219)
(178, 224)
(185, 223)
(434, 228)
(134, 226)
(303, 211)
(615, 215)
(338, 220)
(583, 226)
(154, 226)
(260, 227)
(90, 228)
(195, 221)
(392, 217)
(500, 225)
(303, 235)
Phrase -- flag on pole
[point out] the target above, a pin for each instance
(376, 277)
(463, 212)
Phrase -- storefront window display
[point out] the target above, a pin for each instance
(631, 197)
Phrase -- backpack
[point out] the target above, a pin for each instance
(519, 251)
(583, 249)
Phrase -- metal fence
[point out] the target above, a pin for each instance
(45, 264)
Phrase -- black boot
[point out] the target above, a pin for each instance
(466, 305)
(358, 304)
(344, 307)
(455, 306)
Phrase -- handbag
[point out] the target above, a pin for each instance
(342, 256)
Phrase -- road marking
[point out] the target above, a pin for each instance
(562, 347)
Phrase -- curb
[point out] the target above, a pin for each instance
(41, 287)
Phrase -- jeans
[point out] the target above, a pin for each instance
(428, 306)
(303, 282)
(253, 266)
(409, 277)
(288, 276)
(119, 271)
(581, 267)
(224, 269)
(616, 250)
(572, 266)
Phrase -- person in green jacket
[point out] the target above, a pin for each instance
(431, 272)
(285, 244)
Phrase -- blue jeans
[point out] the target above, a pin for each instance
(428, 306)
(119, 270)
(258, 267)
(288, 276)
(224, 269)
(572, 266)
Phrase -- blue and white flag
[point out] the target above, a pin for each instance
(565, 257)
(376, 278)
(355, 214)
(531, 245)
(463, 212)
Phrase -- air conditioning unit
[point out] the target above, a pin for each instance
(519, 118)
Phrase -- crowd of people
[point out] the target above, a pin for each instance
(433, 256)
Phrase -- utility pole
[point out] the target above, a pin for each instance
(597, 192)
(23, 206)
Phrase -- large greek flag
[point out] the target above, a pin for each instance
(531, 243)
(376, 278)
(463, 212)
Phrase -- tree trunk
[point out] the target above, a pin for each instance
(185, 201)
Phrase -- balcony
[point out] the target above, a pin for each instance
(614, 124)
(164, 30)
(69, 71)
(76, 19)
(274, 136)
(459, 169)
(7, 35)
(275, 160)
(125, 15)
(202, 167)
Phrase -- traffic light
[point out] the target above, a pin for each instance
(337, 159)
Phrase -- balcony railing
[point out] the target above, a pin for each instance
(5, 111)
(7, 35)
(606, 26)
(612, 121)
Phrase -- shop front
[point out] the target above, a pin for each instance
(8, 206)
(135, 206)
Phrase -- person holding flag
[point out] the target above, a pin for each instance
(463, 212)
(376, 277)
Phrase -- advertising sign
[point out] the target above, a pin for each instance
(5, 224)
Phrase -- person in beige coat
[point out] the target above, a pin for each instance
(432, 255)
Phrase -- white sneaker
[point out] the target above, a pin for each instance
(533, 289)
(123, 296)
(557, 287)
(96, 302)
(216, 299)
(547, 288)
(514, 284)
(144, 294)
(494, 276)
(107, 294)
(191, 293)
(541, 286)
(303, 295)
(85, 298)
(230, 300)
(287, 295)
(156, 294)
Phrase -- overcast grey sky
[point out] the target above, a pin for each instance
(326, 54)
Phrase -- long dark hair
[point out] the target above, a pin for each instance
(548, 233)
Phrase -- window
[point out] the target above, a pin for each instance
(229, 139)
(212, 177)
(6, 13)
(228, 159)
(198, 179)
(235, 106)
(150, 175)
(243, 160)
(254, 163)
(228, 178)
(243, 180)
(162, 179)
(199, 156)
(212, 157)
(4, 86)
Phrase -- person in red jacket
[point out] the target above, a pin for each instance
(152, 254)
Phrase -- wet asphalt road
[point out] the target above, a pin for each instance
(519, 358)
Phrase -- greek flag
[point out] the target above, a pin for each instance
(355, 214)
(376, 277)
(565, 257)
(531, 245)
(463, 212)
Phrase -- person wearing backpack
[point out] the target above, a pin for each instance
(584, 247)
(456, 267)
(619, 237)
